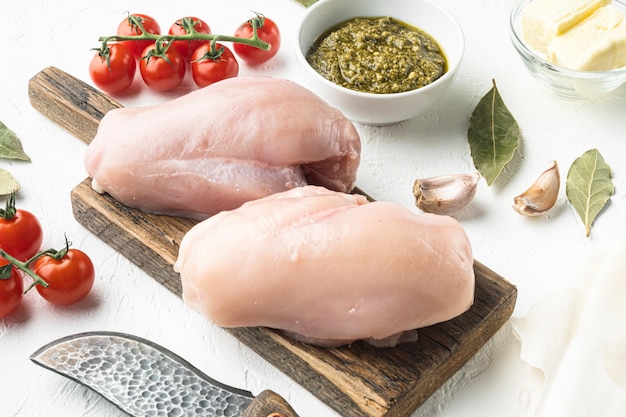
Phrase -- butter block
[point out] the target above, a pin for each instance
(598, 43)
(544, 20)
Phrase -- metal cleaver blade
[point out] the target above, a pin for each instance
(143, 378)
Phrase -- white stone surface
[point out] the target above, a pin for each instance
(39, 33)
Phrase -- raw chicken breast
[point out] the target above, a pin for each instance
(218, 147)
(327, 267)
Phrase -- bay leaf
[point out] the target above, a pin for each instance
(589, 186)
(307, 3)
(10, 145)
(8, 184)
(493, 135)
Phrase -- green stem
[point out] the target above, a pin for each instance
(9, 211)
(25, 267)
(254, 41)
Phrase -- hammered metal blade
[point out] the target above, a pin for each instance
(139, 376)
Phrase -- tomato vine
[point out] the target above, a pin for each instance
(25, 266)
(163, 59)
(191, 35)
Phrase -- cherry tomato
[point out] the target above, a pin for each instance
(207, 69)
(130, 27)
(267, 31)
(11, 288)
(69, 278)
(162, 73)
(21, 234)
(113, 70)
(186, 48)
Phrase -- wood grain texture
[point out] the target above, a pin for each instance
(49, 92)
(269, 404)
(357, 380)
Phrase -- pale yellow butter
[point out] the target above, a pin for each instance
(544, 20)
(597, 43)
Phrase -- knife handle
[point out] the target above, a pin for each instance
(269, 404)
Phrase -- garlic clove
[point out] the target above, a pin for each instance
(446, 194)
(542, 195)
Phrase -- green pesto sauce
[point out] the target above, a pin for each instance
(377, 55)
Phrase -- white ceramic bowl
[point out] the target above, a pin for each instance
(381, 109)
(563, 82)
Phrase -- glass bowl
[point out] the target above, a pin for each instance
(563, 82)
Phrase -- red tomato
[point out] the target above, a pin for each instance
(162, 72)
(69, 278)
(116, 73)
(267, 31)
(130, 27)
(21, 234)
(11, 288)
(207, 69)
(186, 48)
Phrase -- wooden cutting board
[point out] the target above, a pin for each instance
(357, 380)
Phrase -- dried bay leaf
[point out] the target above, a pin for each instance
(589, 186)
(10, 145)
(8, 184)
(307, 3)
(493, 135)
